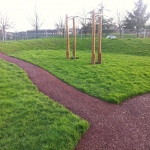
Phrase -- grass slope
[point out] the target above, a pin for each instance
(29, 119)
(140, 47)
(124, 72)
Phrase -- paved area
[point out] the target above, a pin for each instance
(112, 127)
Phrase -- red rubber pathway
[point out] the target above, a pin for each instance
(112, 127)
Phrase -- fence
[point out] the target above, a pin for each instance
(31, 34)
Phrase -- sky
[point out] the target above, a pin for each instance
(20, 10)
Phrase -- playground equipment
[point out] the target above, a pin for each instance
(93, 38)
(67, 38)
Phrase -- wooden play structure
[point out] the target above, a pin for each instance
(93, 59)
(67, 38)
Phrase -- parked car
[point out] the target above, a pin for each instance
(111, 37)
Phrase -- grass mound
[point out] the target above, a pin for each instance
(124, 72)
(29, 119)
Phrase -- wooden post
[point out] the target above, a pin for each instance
(93, 38)
(100, 39)
(67, 40)
(74, 39)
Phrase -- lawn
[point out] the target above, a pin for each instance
(124, 72)
(29, 119)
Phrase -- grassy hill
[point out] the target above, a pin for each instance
(29, 119)
(124, 72)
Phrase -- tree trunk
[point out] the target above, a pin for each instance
(63, 33)
(85, 34)
(4, 34)
(137, 32)
(37, 34)
(120, 33)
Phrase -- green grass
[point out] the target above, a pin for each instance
(29, 120)
(124, 72)
(15, 46)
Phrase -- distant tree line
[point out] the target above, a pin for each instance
(135, 20)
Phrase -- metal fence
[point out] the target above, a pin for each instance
(81, 33)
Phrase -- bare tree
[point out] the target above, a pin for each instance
(60, 26)
(120, 21)
(5, 24)
(35, 21)
(107, 22)
(85, 22)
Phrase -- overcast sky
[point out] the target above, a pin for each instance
(50, 10)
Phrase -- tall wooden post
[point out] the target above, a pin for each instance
(100, 39)
(93, 38)
(67, 39)
(74, 39)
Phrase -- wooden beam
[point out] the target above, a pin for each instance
(100, 40)
(93, 38)
(67, 39)
(74, 39)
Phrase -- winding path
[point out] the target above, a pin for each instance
(112, 127)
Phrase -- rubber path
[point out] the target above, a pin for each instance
(112, 127)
